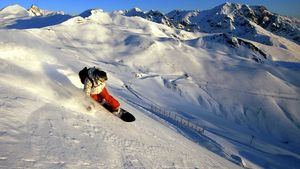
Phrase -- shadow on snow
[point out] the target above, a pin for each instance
(39, 22)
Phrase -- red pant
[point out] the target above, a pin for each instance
(109, 100)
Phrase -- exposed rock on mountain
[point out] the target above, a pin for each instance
(240, 20)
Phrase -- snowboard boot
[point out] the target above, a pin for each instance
(117, 112)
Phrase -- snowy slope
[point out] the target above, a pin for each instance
(200, 76)
(41, 133)
(44, 125)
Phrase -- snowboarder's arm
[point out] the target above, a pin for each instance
(87, 87)
(87, 90)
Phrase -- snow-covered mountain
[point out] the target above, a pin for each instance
(17, 17)
(36, 11)
(242, 91)
(13, 12)
(237, 19)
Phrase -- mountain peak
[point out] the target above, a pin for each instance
(228, 8)
(136, 9)
(97, 15)
(35, 11)
(90, 12)
(135, 12)
(13, 9)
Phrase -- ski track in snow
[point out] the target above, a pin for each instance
(56, 138)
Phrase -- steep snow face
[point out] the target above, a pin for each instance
(151, 15)
(228, 42)
(219, 81)
(181, 19)
(279, 25)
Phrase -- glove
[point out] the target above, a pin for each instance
(90, 107)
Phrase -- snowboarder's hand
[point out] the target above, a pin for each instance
(90, 107)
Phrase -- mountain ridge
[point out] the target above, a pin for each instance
(233, 18)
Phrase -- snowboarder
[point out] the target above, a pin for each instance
(94, 86)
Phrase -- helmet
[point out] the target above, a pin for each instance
(99, 75)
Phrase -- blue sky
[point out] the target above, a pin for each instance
(285, 7)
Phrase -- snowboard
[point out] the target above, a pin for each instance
(126, 116)
(123, 114)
